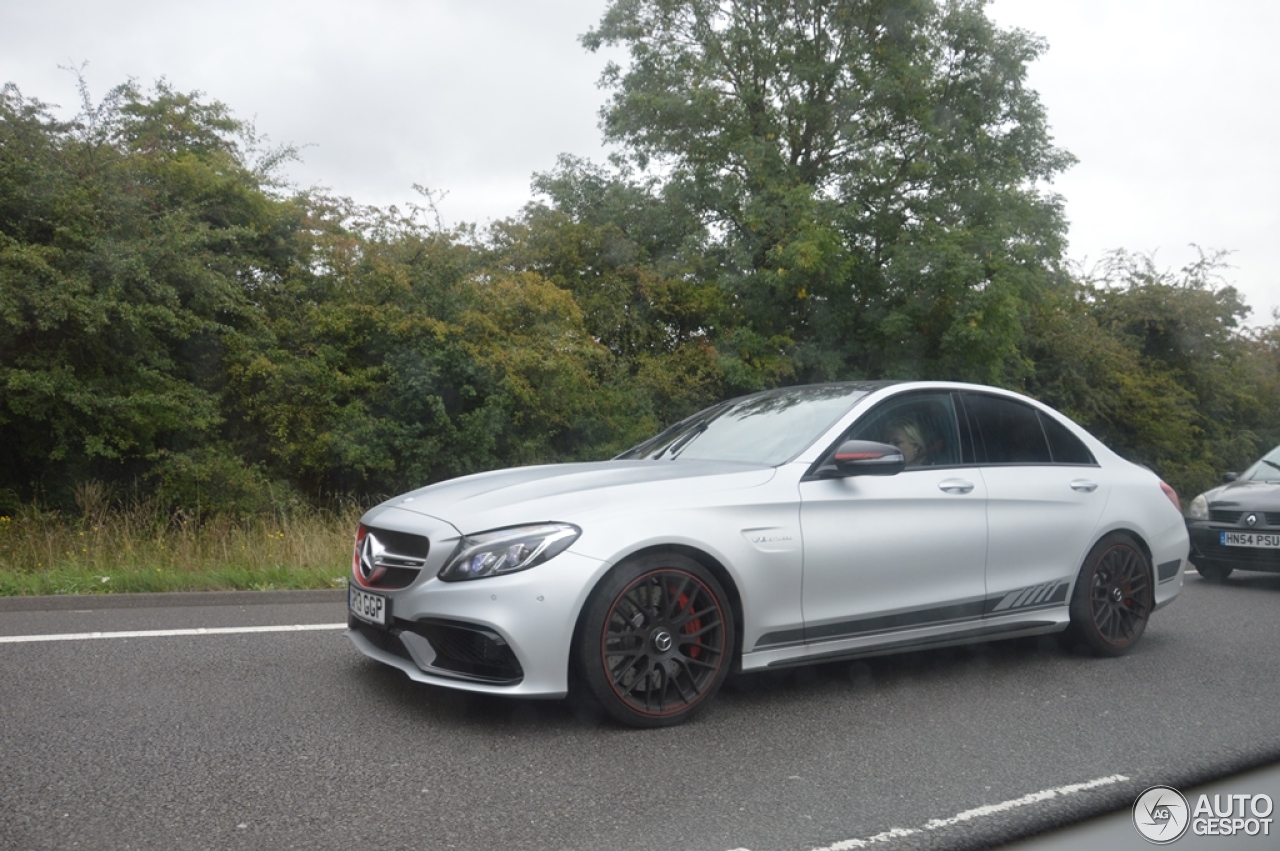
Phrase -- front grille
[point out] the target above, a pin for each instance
(1234, 516)
(389, 559)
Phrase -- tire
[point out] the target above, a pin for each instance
(656, 640)
(1113, 597)
(1213, 572)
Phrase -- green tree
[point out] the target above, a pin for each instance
(1185, 327)
(131, 240)
(633, 259)
(872, 170)
(1262, 374)
(402, 354)
(1155, 362)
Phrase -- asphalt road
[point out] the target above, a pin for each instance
(290, 739)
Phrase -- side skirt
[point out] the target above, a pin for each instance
(1014, 625)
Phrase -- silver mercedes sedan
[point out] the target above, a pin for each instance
(798, 525)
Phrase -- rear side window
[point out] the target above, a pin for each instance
(1007, 431)
(1065, 446)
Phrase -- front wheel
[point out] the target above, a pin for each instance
(1113, 597)
(656, 640)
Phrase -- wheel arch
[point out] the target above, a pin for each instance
(1141, 541)
(1129, 532)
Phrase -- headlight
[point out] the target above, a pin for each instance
(1199, 508)
(508, 550)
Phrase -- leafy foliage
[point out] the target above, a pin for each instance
(1156, 364)
(805, 189)
(129, 242)
(871, 171)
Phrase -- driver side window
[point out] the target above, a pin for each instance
(922, 425)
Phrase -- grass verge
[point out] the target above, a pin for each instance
(139, 549)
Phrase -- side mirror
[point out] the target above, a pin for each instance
(1230, 477)
(869, 458)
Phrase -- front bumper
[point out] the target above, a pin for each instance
(1207, 548)
(509, 635)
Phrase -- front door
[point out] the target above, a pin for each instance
(892, 553)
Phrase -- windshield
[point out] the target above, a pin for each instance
(1266, 470)
(767, 428)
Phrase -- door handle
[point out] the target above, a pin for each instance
(955, 486)
(1084, 486)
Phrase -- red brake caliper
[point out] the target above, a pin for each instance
(692, 627)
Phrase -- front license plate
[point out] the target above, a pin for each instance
(367, 607)
(1266, 540)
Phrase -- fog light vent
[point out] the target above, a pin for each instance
(465, 649)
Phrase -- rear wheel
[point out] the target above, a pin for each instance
(656, 640)
(1113, 597)
(1213, 572)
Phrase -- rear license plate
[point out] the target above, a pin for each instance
(1266, 540)
(368, 607)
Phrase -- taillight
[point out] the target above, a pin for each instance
(1173, 496)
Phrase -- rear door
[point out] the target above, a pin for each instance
(1045, 497)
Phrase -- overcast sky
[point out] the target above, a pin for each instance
(1171, 106)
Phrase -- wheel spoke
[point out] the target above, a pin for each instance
(1104, 618)
(644, 681)
(712, 611)
(702, 641)
(626, 665)
(678, 680)
(674, 595)
(690, 660)
(697, 629)
(640, 607)
(620, 656)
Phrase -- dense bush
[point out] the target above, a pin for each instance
(176, 325)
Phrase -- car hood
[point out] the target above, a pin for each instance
(566, 492)
(1264, 496)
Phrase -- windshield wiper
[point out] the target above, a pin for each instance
(676, 446)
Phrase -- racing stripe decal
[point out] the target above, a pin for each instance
(1044, 594)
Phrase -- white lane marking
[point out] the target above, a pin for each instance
(168, 633)
(968, 815)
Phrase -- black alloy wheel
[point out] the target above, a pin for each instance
(1113, 598)
(656, 641)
